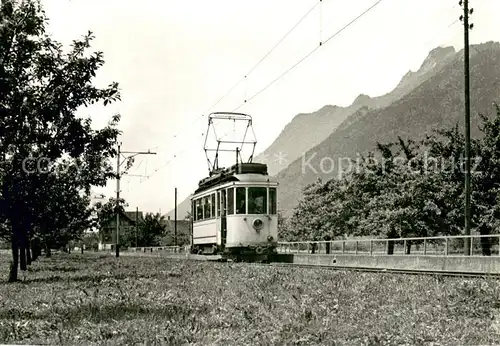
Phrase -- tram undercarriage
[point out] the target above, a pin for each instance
(252, 253)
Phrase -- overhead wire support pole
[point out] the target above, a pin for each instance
(468, 231)
(175, 218)
(117, 200)
(118, 177)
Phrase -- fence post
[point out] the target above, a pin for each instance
(404, 246)
(343, 246)
(371, 247)
(471, 245)
(425, 246)
(356, 248)
(446, 246)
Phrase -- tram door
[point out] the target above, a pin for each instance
(223, 213)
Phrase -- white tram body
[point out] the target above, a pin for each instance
(235, 212)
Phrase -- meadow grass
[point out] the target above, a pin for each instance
(91, 299)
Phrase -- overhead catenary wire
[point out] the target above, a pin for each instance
(288, 70)
(309, 54)
(166, 163)
(245, 78)
(266, 55)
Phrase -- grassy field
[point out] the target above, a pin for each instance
(90, 299)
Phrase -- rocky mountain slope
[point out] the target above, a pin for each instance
(308, 130)
(434, 103)
(182, 210)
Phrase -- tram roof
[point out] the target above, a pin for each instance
(254, 178)
(253, 173)
(244, 178)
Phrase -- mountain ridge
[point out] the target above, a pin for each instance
(435, 103)
(329, 118)
(312, 128)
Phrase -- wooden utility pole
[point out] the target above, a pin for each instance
(118, 176)
(117, 201)
(136, 223)
(175, 218)
(467, 26)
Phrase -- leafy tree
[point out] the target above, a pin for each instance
(106, 214)
(485, 181)
(413, 189)
(151, 229)
(41, 88)
(91, 241)
(282, 225)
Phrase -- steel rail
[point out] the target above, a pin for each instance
(387, 270)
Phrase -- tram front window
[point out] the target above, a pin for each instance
(257, 200)
(272, 201)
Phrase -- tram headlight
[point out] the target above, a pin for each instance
(257, 224)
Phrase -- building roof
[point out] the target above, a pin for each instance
(131, 215)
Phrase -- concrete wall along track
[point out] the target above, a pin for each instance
(472, 264)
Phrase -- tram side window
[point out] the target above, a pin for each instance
(219, 200)
(193, 209)
(240, 200)
(213, 205)
(257, 200)
(207, 208)
(199, 210)
(272, 201)
(230, 201)
(222, 204)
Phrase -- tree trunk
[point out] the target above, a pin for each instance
(25, 257)
(34, 250)
(22, 248)
(390, 244)
(313, 248)
(408, 247)
(390, 247)
(485, 241)
(22, 257)
(15, 256)
(28, 255)
(28, 249)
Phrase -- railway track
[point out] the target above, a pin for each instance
(387, 270)
(344, 268)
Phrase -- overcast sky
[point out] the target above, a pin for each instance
(175, 59)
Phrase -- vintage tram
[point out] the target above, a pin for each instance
(235, 214)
